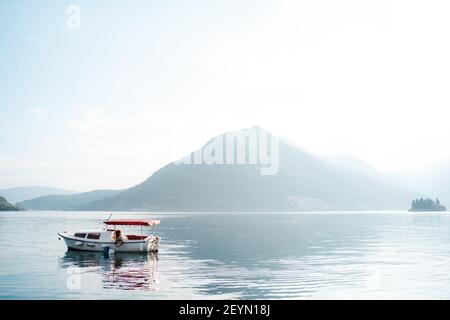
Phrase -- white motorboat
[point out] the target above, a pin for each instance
(111, 239)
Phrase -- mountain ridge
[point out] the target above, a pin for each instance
(66, 202)
(18, 194)
(303, 183)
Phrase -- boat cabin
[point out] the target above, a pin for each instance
(118, 234)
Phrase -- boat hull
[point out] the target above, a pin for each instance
(150, 244)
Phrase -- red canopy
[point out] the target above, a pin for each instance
(132, 222)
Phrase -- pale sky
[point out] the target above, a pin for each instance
(143, 83)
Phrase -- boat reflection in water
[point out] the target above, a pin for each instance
(125, 271)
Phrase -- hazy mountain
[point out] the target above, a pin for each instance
(6, 206)
(24, 193)
(66, 202)
(354, 164)
(303, 182)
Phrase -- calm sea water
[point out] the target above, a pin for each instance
(251, 256)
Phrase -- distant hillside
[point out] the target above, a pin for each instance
(66, 202)
(25, 193)
(354, 164)
(6, 206)
(304, 182)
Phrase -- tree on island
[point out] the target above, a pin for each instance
(427, 204)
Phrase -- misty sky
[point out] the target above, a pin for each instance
(145, 82)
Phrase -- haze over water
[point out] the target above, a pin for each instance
(236, 255)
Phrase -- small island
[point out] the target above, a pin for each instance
(426, 205)
(6, 206)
